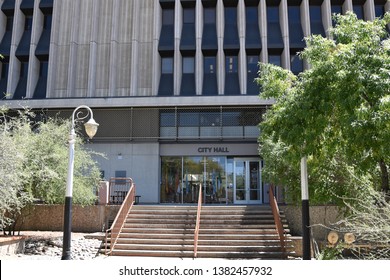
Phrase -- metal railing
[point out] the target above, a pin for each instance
(118, 189)
(120, 218)
(197, 226)
(277, 219)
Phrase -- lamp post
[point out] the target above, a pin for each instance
(90, 128)
(306, 250)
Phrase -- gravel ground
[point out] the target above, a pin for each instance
(40, 245)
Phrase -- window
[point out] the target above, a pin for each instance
(43, 70)
(379, 10)
(167, 65)
(230, 15)
(209, 64)
(210, 84)
(274, 32)
(275, 59)
(252, 38)
(167, 119)
(189, 119)
(23, 69)
(296, 64)
(209, 15)
(252, 64)
(188, 15)
(358, 10)
(316, 21)
(47, 22)
(10, 23)
(336, 8)
(28, 23)
(4, 70)
(231, 40)
(168, 16)
(231, 64)
(295, 27)
(188, 65)
(251, 15)
(209, 34)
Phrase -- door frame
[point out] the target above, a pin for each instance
(247, 181)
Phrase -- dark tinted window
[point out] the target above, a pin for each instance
(209, 64)
(188, 119)
(188, 15)
(253, 60)
(230, 15)
(209, 15)
(28, 23)
(273, 14)
(275, 59)
(167, 17)
(167, 119)
(188, 65)
(379, 10)
(167, 65)
(296, 64)
(251, 15)
(231, 64)
(358, 10)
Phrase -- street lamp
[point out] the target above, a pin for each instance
(90, 128)
(305, 211)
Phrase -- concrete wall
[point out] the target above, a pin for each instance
(85, 219)
(139, 160)
(320, 217)
(95, 218)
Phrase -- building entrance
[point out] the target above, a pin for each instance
(247, 181)
(223, 180)
(183, 177)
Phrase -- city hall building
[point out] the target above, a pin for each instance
(171, 82)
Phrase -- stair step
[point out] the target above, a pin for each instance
(242, 255)
(225, 232)
(152, 253)
(201, 242)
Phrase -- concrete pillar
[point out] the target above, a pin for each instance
(134, 49)
(198, 54)
(14, 63)
(221, 54)
(93, 49)
(283, 14)
(242, 72)
(156, 72)
(263, 31)
(326, 16)
(177, 71)
(114, 48)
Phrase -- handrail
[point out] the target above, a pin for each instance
(120, 218)
(197, 226)
(277, 219)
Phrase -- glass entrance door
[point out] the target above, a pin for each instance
(247, 181)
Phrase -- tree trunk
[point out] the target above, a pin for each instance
(384, 176)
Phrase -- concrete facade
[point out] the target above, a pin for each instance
(59, 54)
(109, 48)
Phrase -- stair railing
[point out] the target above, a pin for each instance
(277, 218)
(197, 225)
(120, 218)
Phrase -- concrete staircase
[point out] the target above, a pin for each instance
(225, 232)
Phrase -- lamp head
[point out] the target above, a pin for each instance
(91, 127)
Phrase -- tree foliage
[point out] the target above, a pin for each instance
(370, 225)
(35, 162)
(337, 113)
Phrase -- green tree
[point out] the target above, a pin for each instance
(337, 112)
(35, 161)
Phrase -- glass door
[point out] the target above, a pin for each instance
(247, 181)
